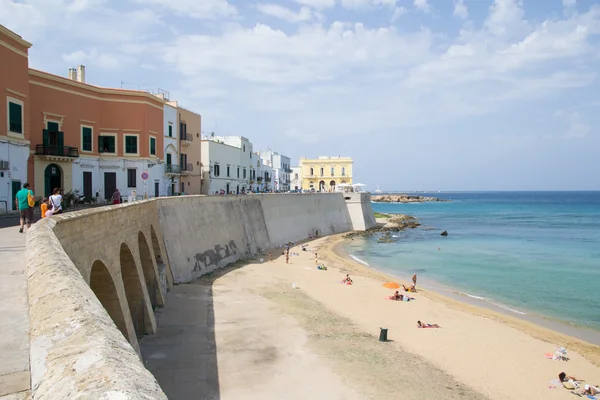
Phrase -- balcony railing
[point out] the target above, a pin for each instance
(188, 136)
(259, 179)
(267, 179)
(187, 167)
(59, 151)
(172, 169)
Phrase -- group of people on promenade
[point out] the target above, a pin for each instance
(25, 203)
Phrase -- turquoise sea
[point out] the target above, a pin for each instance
(529, 253)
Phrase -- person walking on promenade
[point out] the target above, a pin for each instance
(56, 201)
(287, 256)
(25, 202)
(116, 197)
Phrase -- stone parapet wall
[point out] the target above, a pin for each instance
(76, 349)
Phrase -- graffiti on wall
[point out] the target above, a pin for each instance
(214, 256)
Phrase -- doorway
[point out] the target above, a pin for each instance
(87, 184)
(52, 179)
(110, 184)
(15, 186)
(156, 189)
(322, 186)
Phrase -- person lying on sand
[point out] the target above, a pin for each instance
(563, 377)
(424, 325)
(397, 296)
(410, 289)
(591, 390)
(347, 279)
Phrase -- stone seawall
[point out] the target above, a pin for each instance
(96, 276)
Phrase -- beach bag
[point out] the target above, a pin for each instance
(30, 199)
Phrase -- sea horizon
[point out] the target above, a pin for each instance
(533, 257)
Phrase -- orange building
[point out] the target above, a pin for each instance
(14, 116)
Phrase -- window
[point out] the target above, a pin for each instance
(86, 138)
(131, 177)
(332, 171)
(244, 148)
(322, 171)
(228, 171)
(106, 144)
(170, 130)
(15, 116)
(295, 176)
(238, 170)
(131, 146)
(217, 170)
(152, 146)
(182, 130)
(312, 171)
(244, 173)
(343, 171)
(168, 158)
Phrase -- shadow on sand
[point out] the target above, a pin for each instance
(182, 354)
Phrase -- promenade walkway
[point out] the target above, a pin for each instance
(14, 316)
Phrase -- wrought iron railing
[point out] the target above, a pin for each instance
(172, 169)
(53, 150)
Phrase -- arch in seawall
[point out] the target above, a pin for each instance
(150, 277)
(133, 291)
(103, 286)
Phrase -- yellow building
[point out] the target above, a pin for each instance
(325, 173)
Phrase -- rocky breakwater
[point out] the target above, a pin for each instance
(404, 198)
(387, 224)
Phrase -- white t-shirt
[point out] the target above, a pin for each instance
(56, 201)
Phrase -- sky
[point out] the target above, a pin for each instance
(423, 94)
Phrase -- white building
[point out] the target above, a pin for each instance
(228, 164)
(296, 179)
(169, 182)
(281, 167)
(264, 175)
(13, 169)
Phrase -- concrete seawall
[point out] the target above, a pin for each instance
(95, 276)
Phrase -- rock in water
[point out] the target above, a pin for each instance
(445, 233)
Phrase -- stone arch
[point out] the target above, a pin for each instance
(133, 291)
(104, 288)
(161, 266)
(332, 185)
(148, 269)
(321, 186)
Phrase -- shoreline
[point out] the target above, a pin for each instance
(553, 332)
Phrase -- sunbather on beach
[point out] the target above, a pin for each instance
(397, 296)
(410, 289)
(424, 325)
(563, 377)
(347, 279)
(591, 390)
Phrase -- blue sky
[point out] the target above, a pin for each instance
(424, 94)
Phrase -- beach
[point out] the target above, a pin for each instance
(326, 333)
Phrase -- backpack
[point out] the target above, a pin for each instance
(30, 199)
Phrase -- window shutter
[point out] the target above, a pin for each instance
(60, 144)
(111, 144)
(45, 138)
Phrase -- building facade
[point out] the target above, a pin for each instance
(190, 127)
(323, 174)
(281, 168)
(228, 164)
(264, 176)
(14, 116)
(170, 181)
(296, 179)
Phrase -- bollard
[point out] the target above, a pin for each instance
(383, 335)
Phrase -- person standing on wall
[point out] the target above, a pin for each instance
(56, 201)
(25, 202)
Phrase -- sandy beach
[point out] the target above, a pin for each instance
(320, 339)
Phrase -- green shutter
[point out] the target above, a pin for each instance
(45, 138)
(87, 139)
(152, 146)
(168, 158)
(15, 115)
(170, 130)
(60, 144)
(111, 144)
(52, 127)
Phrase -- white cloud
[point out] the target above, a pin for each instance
(569, 3)
(361, 4)
(97, 59)
(422, 5)
(576, 127)
(277, 11)
(198, 9)
(460, 9)
(506, 19)
(318, 4)
(398, 12)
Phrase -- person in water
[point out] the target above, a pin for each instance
(424, 325)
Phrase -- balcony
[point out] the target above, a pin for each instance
(259, 179)
(172, 169)
(186, 139)
(186, 169)
(57, 153)
(289, 171)
(267, 179)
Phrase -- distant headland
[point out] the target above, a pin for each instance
(404, 198)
